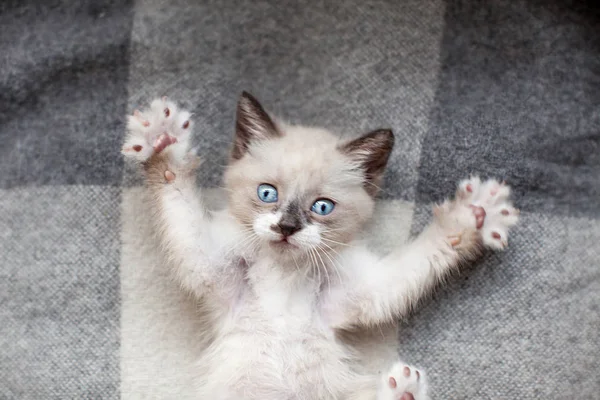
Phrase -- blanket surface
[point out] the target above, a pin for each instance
(501, 88)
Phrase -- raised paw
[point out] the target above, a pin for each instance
(403, 382)
(481, 213)
(493, 212)
(152, 130)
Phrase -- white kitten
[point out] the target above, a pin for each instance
(295, 307)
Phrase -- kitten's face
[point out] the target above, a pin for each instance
(299, 190)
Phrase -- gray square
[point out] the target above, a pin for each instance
(59, 290)
(64, 90)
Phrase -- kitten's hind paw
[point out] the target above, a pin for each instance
(403, 382)
(152, 130)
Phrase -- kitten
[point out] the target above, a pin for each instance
(294, 306)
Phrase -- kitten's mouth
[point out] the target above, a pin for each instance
(283, 243)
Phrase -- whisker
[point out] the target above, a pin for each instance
(332, 230)
(335, 242)
(245, 243)
(333, 263)
(252, 246)
(232, 248)
(331, 248)
(246, 230)
(324, 271)
(315, 265)
(295, 262)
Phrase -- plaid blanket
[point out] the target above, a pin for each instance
(504, 88)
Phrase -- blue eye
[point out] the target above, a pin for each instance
(322, 207)
(267, 193)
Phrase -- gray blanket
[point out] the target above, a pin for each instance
(505, 88)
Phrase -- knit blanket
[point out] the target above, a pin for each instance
(508, 89)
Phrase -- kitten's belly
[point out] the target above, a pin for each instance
(281, 357)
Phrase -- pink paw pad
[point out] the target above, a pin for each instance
(499, 240)
(405, 383)
(137, 114)
(479, 214)
(169, 176)
(392, 382)
(163, 141)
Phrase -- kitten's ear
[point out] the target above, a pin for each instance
(371, 152)
(252, 123)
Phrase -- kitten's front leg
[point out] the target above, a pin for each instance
(158, 139)
(380, 290)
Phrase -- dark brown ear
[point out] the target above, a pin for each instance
(252, 123)
(371, 152)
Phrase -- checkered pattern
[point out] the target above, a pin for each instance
(504, 88)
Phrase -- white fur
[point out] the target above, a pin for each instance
(290, 321)
(262, 226)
